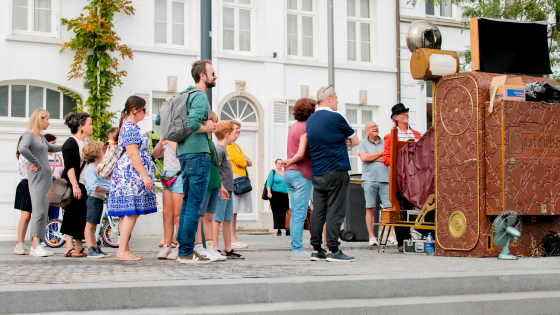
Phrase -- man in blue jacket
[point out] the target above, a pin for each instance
(327, 134)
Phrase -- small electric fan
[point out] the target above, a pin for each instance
(506, 227)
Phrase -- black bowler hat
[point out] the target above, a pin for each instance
(397, 109)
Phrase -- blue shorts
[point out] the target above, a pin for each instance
(209, 205)
(371, 189)
(177, 187)
(224, 209)
(94, 209)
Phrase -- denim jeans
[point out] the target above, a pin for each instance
(299, 189)
(195, 169)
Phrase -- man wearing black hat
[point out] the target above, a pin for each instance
(399, 116)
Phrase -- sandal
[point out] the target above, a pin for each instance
(83, 252)
(233, 255)
(127, 256)
(72, 253)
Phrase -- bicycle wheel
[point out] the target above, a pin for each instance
(53, 237)
(111, 236)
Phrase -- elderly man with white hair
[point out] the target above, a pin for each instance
(375, 178)
(327, 134)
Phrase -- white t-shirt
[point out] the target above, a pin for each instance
(170, 160)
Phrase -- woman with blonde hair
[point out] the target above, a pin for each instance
(34, 148)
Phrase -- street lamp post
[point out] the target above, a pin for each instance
(206, 36)
(330, 27)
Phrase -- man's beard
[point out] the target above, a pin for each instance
(210, 84)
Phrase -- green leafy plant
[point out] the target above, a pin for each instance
(93, 42)
(76, 98)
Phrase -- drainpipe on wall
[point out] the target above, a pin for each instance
(398, 27)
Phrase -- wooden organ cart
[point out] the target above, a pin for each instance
(488, 160)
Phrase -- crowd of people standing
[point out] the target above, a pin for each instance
(204, 185)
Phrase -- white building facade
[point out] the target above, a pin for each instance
(266, 54)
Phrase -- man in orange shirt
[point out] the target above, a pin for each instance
(399, 116)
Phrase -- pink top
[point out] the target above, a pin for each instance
(304, 165)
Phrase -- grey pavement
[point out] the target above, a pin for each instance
(266, 257)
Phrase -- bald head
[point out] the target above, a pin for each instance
(372, 130)
(326, 96)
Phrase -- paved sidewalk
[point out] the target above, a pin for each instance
(266, 257)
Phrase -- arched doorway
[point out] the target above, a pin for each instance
(243, 111)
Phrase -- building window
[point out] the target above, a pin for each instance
(34, 17)
(20, 100)
(170, 26)
(358, 118)
(358, 30)
(430, 9)
(236, 25)
(239, 110)
(444, 8)
(300, 28)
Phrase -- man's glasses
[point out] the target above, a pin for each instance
(328, 87)
(371, 127)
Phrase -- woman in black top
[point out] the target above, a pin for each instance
(74, 218)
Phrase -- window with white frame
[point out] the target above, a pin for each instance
(21, 100)
(34, 17)
(170, 22)
(444, 8)
(300, 28)
(358, 30)
(236, 25)
(358, 118)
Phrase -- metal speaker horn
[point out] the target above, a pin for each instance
(423, 34)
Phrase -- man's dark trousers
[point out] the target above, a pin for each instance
(329, 205)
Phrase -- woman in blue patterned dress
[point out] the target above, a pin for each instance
(132, 190)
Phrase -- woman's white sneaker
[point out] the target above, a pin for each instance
(21, 249)
(164, 252)
(40, 251)
(202, 252)
(216, 254)
(174, 253)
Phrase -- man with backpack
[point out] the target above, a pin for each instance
(194, 156)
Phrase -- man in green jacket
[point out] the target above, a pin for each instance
(194, 155)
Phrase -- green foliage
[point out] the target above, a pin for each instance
(521, 10)
(94, 40)
(76, 98)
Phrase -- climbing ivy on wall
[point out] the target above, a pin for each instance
(94, 42)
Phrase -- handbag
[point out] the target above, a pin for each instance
(60, 194)
(265, 191)
(306, 223)
(242, 185)
(167, 181)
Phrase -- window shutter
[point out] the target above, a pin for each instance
(280, 130)
(146, 123)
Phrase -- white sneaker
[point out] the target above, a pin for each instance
(40, 251)
(21, 249)
(202, 252)
(392, 241)
(164, 252)
(215, 253)
(373, 241)
(174, 253)
(239, 245)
